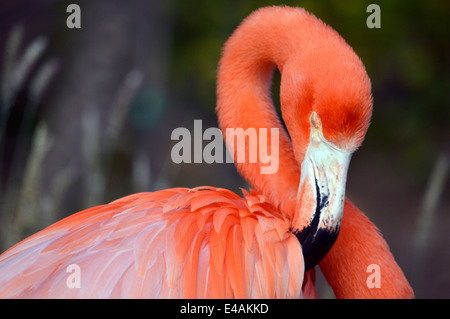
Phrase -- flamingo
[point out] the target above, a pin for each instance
(208, 242)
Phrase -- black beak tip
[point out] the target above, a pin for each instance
(315, 247)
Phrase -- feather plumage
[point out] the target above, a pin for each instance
(130, 249)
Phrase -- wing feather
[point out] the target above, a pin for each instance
(196, 243)
(234, 263)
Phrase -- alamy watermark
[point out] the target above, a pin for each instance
(374, 279)
(74, 279)
(245, 146)
(73, 21)
(374, 19)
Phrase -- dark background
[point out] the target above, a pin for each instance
(86, 114)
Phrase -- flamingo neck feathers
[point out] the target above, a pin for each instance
(351, 265)
(319, 71)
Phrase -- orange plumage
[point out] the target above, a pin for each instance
(210, 243)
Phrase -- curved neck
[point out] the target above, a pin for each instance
(244, 101)
(309, 55)
(360, 264)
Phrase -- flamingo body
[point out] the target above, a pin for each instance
(197, 243)
(210, 243)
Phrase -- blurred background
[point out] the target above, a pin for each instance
(86, 114)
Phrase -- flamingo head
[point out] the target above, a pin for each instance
(327, 114)
(335, 132)
(321, 194)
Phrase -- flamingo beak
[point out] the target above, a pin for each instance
(321, 195)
